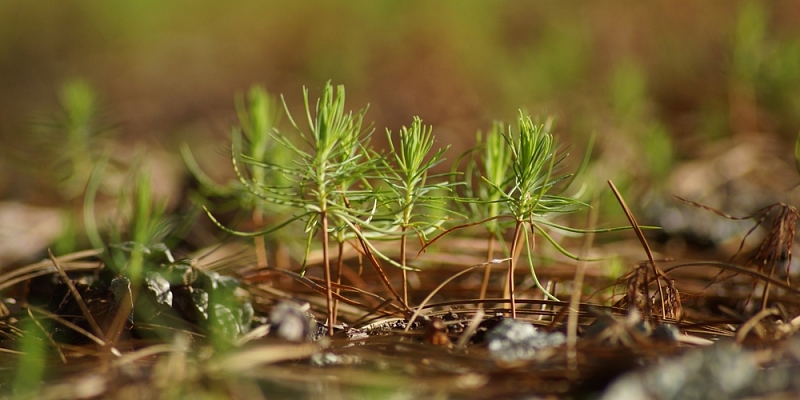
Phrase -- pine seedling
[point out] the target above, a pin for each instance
(352, 196)
(142, 273)
(488, 168)
(78, 149)
(258, 116)
(528, 198)
(325, 164)
(70, 143)
(410, 191)
(258, 121)
(141, 228)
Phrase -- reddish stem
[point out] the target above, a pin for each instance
(512, 264)
(327, 263)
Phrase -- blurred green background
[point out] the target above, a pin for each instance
(654, 80)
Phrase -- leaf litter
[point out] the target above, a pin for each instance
(632, 348)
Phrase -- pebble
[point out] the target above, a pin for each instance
(513, 340)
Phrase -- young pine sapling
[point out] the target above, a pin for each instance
(407, 178)
(319, 173)
(258, 117)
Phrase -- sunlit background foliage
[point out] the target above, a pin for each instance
(654, 81)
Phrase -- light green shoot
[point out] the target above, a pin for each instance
(322, 170)
(334, 137)
(258, 120)
(410, 190)
(30, 368)
(79, 102)
(488, 169)
(528, 198)
(258, 117)
(148, 227)
(72, 141)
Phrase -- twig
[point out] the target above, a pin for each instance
(377, 266)
(471, 328)
(72, 326)
(574, 301)
(49, 338)
(436, 290)
(78, 298)
(746, 327)
(373, 311)
(657, 273)
(739, 270)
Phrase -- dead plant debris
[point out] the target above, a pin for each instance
(456, 347)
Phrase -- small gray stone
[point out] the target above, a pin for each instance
(666, 332)
(290, 321)
(516, 340)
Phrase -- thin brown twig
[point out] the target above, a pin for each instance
(377, 266)
(439, 236)
(78, 299)
(70, 325)
(339, 266)
(373, 311)
(575, 299)
(738, 269)
(775, 247)
(474, 322)
(320, 288)
(746, 327)
(436, 290)
(533, 302)
(718, 212)
(47, 335)
(374, 261)
(121, 316)
(11, 278)
(658, 274)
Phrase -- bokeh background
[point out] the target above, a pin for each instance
(662, 83)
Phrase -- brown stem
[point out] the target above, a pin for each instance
(577, 289)
(512, 264)
(377, 266)
(515, 253)
(339, 265)
(327, 263)
(403, 263)
(77, 296)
